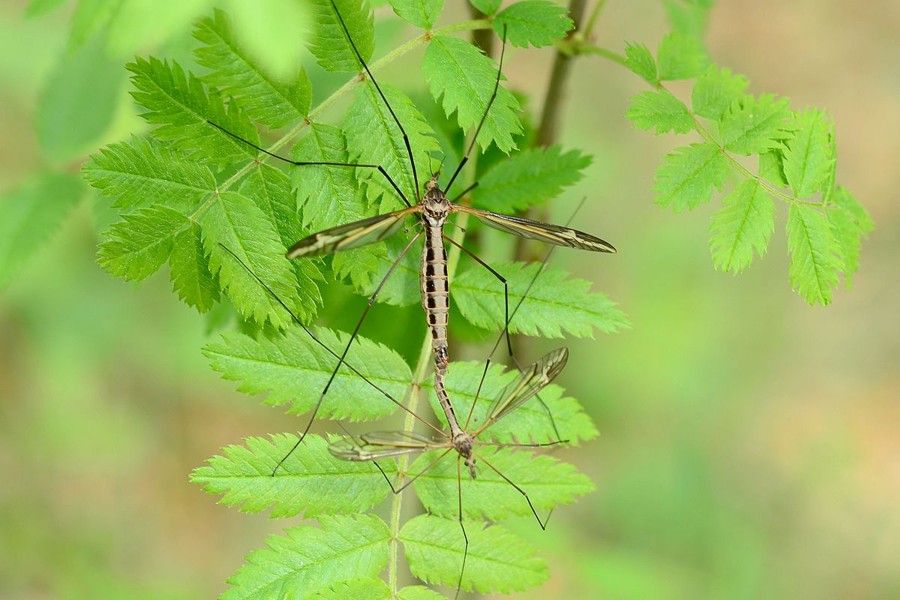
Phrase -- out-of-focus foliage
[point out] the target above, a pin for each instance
(747, 446)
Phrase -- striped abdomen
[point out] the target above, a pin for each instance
(436, 303)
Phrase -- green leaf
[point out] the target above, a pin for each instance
(743, 225)
(402, 288)
(367, 588)
(530, 423)
(688, 175)
(327, 196)
(276, 32)
(270, 190)
(497, 560)
(189, 270)
(529, 178)
(310, 482)
(374, 138)
(78, 102)
(715, 91)
(237, 74)
(755, 125)
(38, 8)
(680, 56)
(548, 482)
(237, 223)
(181, 106)
(661, 110)
(311, 559)
(30, 214)
(465, 78)
(331, 46)
(814, 262)
(810, 154)
(91, 19)
(850, 225)
(639, 59)
(139, 244)
(143, 172)
(537, 23)
(771, 167)
(421, 13)
(690, 17)
(488, 7)
(553, 306)
(294, 369)
(419, 592)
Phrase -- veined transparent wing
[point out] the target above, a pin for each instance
(352, 235)
(531, 381)
(382, 444)
(536, 230)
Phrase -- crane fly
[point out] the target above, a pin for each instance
(432, 211)
(388, 444)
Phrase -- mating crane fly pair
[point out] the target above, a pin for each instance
(433, 209)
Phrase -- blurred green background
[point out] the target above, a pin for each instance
(748, 442)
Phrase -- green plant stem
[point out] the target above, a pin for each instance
(605, 53)
(397, 503)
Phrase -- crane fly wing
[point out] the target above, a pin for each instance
(352, 235)
(536, 230)
(531, 381)
(381, 444)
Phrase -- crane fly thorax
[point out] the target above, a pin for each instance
(435, 205)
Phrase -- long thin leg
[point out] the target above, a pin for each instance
(543, 524)
(462, 569)
(465, 158)
(306, 163)
(347, 348)
(412, 161)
